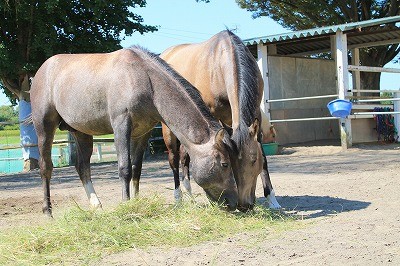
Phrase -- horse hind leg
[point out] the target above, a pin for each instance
(185, 161)
(46, 168)
(84, 148)
(138, 148)
(269, 192)
(45, 132)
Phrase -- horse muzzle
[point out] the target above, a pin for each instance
(230, 203)
(228, 200)
(245, 207)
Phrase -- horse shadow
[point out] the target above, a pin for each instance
(308, 207)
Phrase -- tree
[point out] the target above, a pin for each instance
(301, 15)
(8, 114)
(32, 31)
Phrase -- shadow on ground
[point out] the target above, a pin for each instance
(308, 207)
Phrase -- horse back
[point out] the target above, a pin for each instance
(88, 90)
(205, 66)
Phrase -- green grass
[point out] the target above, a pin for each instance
(12, 137)
(9, 137)
(80, 237)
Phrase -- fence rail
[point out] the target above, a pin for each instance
(302, 98)
(303, 119)
(103, 150)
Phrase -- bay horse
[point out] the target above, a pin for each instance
(229, 80)
(127, 92)
(267, 129)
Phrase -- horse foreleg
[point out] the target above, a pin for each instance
(269, 192)
(138, 148)
(185, 161)
(122, 126)
(84, 148)
(171, 143)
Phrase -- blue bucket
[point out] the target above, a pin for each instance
(339, 108)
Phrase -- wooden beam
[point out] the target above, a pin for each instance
(373, 69)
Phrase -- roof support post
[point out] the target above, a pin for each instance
(262, 61)
(396, 108)
(355, 60)
(342, 81)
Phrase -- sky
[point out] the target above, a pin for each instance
(186, 21)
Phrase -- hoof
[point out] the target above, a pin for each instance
(178, 194)
(95, 202)
(188, 187)
(274, 206)
(47, 212)
(272, 202)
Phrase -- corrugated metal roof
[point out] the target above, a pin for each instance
(318, 39)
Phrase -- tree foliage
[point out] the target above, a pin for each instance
(300, 15)
(32, 31)
(8, 114)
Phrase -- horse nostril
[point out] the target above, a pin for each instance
(231, 205)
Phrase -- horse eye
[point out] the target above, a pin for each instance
(224, 164)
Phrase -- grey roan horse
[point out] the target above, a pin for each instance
(127, 92)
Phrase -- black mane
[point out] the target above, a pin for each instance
(248, 90)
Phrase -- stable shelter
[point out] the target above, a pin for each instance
(298, 82)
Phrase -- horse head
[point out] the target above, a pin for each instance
(212, 170)
(247, 166)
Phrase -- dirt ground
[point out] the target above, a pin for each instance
(348, 201)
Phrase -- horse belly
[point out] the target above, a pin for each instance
(91, 123)
(85, 112)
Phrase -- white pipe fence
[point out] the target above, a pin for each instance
(298, 99)
(375, 91)
(303, 119)
(355, 115)
(376, 113)
(302, 98)
(378, 100)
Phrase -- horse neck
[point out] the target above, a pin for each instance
(245, 89)
(182, 110)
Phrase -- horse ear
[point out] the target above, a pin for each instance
(227, 128)
(219, 137)
(254, 128)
